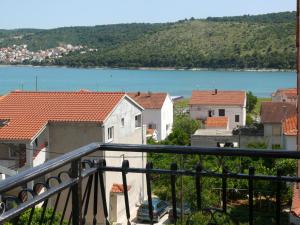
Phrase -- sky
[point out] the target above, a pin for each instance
(59, 13)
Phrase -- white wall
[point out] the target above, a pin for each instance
(153, 116)
(201, 112)
(161, 118)
(268, 133)
(40, 158)
(128, 134)
(166, 118)
(290, 143)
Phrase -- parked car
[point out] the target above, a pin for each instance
(160, 208)
(186, 211)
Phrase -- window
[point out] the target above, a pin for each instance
(221, 112)
(122, 122)
(237, 118)
(13, 152)
(211, 113)
(152, 126)
(110, 133)
(167, 127)
(138, 120)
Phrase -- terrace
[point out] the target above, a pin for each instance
(76, 184)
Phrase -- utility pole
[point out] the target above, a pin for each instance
(36, 83)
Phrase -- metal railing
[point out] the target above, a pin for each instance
(78, 176)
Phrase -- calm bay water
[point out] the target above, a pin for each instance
(261, 84)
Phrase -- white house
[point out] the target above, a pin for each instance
(158, 113)
(216, 103)
(288, 95)
(37, 126)
(272, 116)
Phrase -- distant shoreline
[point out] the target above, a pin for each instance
(156, 68)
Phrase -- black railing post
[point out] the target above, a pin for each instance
(250, 189)
(198, 186)
(102, 165)
(76, 193)
(125, 166)
(224, 189)
(278, 197)
(149, 166)
(174, 168)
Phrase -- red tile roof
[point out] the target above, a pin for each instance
(289, 92)
(290, 126)
(276, 112)
(119, 188)
(27, 112)
(295, 209)
(214, 122)
(149, 100)
(232, 98)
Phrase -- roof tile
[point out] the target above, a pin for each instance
(290, 126)
(217, 97)
(276, 112)
(149, 100)
(215, 122)
(27, 112)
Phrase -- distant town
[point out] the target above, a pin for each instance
(20, 53)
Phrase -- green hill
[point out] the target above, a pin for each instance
(263, 41)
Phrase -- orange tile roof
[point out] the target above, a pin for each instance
(289, 92)
(149, 100)
(212, 122)
(150, 131)
(295, 209)
(28, 112)
(276, 112)
(232, 98)
(119, 188)
(290, 126)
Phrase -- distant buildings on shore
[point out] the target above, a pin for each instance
(20, 53)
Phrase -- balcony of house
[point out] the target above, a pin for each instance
(221, 186)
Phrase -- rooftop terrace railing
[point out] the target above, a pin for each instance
(83, 179)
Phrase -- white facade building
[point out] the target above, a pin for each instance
(158, 112)
(288, 95)
(230, 104)
(64, 121)
(272, 116)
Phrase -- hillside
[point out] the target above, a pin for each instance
(263, 41)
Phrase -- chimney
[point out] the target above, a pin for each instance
(138, 93)
(216, 91)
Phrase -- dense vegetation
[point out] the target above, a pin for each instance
(263, 41)
(264, 191)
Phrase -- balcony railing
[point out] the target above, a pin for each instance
(79, 177)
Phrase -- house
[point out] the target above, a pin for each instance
(158, 112)
(290, 133)
(216, 103)
(37, 126)
(285, 95)
(272, 116)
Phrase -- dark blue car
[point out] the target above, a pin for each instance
(160, 208)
